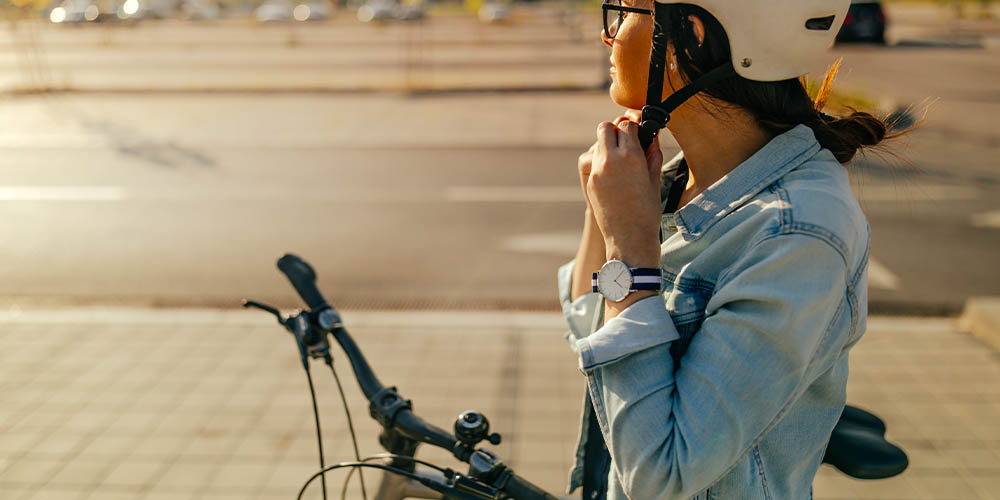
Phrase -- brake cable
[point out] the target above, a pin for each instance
(354, 437)
(319, 434)
(395, 470)
(343, 491)
(489, 478)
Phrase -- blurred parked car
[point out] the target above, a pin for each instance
(274, 10)
(287, 10)
(493, 12)
(145, 9)
(79, 11)
(865, 22)
(377, 10)
(201, 10)
(409, 11)
(311, 11)
(383, 10)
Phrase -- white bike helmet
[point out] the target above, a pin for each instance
(770, 40)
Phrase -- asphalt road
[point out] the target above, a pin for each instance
(465, 200)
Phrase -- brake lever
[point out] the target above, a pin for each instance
(264, 307)
(310, 343)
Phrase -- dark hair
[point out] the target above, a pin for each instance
(778, 106)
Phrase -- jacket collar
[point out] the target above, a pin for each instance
(770, 163)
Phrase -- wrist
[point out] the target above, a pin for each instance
(647, 256)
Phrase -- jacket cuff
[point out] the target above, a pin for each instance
(579, 313)
(642, 325)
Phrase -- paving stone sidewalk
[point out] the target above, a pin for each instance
(180, 404)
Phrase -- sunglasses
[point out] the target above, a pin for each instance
(614, 14)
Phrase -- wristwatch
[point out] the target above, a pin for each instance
(615, 280)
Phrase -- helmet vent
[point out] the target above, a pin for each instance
(820, 23)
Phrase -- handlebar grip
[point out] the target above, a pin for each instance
(519, 488)
(303, 278)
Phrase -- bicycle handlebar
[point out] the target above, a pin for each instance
(303, 278)
(521, 489)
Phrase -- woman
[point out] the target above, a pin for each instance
(725, 379)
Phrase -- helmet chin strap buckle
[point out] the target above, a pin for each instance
(654, 118)
(654, 115)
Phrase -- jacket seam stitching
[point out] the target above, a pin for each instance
(746, 196)
(852, 295)
(795, 395)
(852, 284)
(821, 234)
(783, 200)
(760, 471)
(679, 281)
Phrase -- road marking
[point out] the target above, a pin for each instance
(61, 193)
(915, 193)
(880, 276)
(988, 219)
(564, 243)
(514, 194)
(456, 194)
(378, 320)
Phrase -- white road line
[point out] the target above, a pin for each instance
(988, 219)
(880, 276)
(566, 244)
(914, 193)
(514, 194)
(61, 193)
(455, 194)
(563, 243)
(530, 321)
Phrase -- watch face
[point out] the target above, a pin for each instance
(614, 281)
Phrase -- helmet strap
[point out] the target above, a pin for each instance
(656, 114)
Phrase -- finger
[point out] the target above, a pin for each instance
(654, 147)
(628, 135)
(620, 119)
(607, 136)
(583, 164)
(654, 161)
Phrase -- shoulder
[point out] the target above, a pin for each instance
(816, 199)
(813, 200)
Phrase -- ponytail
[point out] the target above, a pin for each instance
(844, 137)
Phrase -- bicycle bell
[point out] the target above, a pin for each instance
(471, 427)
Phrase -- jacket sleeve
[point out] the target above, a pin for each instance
(671, 435)
(580, 313)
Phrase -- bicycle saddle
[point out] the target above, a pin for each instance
(858, 447)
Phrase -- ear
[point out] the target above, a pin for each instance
(699, 28)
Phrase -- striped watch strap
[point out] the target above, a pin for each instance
(643, 278)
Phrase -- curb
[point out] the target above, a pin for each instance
(981, 318)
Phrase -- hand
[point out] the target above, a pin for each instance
(623, 190)
(585, 163)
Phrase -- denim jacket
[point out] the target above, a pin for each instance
(728, 384)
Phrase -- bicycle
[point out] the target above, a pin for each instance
(857, 446)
